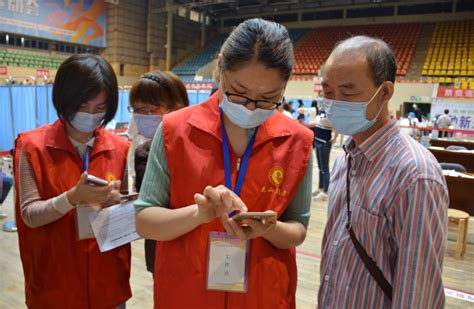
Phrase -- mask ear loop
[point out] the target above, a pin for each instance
(380, 109)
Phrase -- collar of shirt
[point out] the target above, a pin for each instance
(375, 144)
(80, 147)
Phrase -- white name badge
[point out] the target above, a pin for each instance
(227, 263)
(84, 228)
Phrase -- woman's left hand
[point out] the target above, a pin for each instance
(249, 229)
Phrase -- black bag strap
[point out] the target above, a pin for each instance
(369, 263)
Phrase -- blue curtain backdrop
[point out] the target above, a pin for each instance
(31, 110)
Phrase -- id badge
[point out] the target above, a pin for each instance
(84, 228)
(227, 263)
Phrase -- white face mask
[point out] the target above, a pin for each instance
(85, 122)
(242, 116)
(350, 118)
(147, 124)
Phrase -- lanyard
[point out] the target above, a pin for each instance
(348, 193)
(86, 160)
(244, 163)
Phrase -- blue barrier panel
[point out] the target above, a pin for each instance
(45, 96)
(122, 114)
(203, 96)
(6, 140)
(24, 108)
(27, 114)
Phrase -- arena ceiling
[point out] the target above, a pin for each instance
(232, 8)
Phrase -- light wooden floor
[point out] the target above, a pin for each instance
(458, 275)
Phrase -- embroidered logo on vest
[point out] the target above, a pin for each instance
(110, 177)
(275, 176)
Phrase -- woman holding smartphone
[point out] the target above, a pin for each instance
(232, 153)
(51, 168)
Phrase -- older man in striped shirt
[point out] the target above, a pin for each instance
(384, 241)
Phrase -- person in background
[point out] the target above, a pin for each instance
(324, 137)
(152, 96)
(291, 105)
(51, 165)
(228, 154)
(418, 113)
(413, 122)
(6, 183)
(444, 122)
(384, 241)
(286, 110)
(300, 116)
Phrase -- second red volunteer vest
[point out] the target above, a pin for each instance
(60, 270)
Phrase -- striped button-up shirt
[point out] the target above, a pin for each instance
(399, 203)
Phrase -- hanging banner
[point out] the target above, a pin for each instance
(447, 92)
(462, 114)
(79, 22)
(318, 88)
(42, 73)
(3, 70)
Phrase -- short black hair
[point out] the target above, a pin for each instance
(257, 39)
(81, 78)
(380, 58)
(446, 111)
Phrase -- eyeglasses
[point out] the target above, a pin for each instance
(243, 100)
(143, 110)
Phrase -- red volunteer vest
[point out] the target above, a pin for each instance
(61, 271)
(278, 162)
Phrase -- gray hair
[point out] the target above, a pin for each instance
(379, 55)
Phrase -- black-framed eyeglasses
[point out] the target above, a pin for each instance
(142, 111)
(243, 100)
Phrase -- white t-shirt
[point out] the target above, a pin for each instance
(444, 121)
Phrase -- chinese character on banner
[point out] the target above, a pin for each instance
(3, 70)
(448, 92)
(15, 6)
(458, 93)
(469, 94)
(32, 7)
(454, 119)
(464, 122)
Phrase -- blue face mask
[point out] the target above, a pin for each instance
(242, 116)
(85, 122)
(147, 124)
(350, 118)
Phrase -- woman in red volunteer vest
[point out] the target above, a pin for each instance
(232, 153)
(51, 166)
(153, 95)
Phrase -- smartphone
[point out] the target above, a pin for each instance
(96, 181)
(254, 215)
(129, 197)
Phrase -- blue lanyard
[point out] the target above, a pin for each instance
(243, 165)
(86, 160)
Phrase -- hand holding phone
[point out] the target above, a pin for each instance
(260, 216)
(89, 190)
(249, 225)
